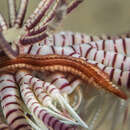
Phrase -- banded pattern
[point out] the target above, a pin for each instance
(26, 80)
(75, 66)
(69, 38)
(115, 65)
(10, 102)
(62, 83)
(88, 58)
(39, 112)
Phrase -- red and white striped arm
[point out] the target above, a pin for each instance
(38, 14)
(21, 13)
(23, 77)
(107, 58)
(60, 81)
(10, 102)
(121, 78)
(118, 46)
(71, 38)
(35, 108)
(44, 50)
(55, 13)
(110, 59)
(42, 26)
(67, 39)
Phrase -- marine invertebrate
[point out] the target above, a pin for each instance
(30, 49)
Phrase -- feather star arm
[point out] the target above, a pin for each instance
(86, 71)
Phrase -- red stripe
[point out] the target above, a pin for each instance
(73, 53)
(111, 74)
(12, 111)
(53, 81)
(128, 82)
(9, 95)
(44, 117)
(15, 119)
(95, 56)
(73, 39)
(40, 113)
(37, 88)
(29, 50)
(51, 90)
(114, 60)
(45, 97)
(29, 100)
(30, 80)
(122, 65)
(87, 52)
(8, 87)
(124, 45)
(64, 85)
(34, 103)
(23, 77)
(115, 48)
(63, 43)
(53, 50)
(10, 80)
(104, 57)
(11, 103)
(81, 53)
(103, 44)
(27, 93)
(35, 109)
(38, 51)
(119, 80)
